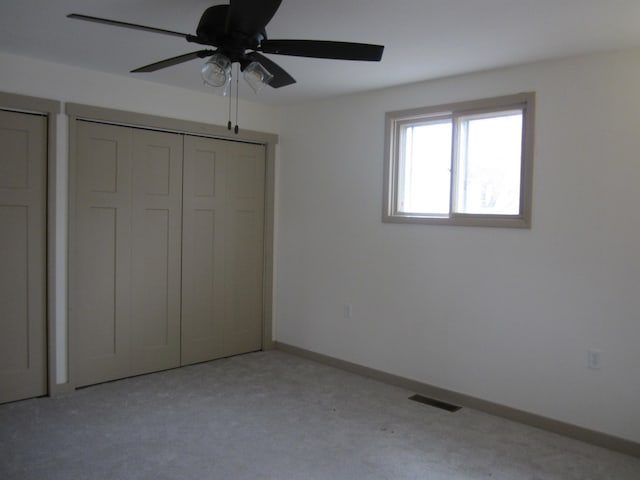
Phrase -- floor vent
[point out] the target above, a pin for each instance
(435, 403)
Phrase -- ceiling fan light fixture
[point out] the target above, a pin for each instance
(257, 76)
(216, 72)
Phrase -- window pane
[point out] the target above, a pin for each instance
(425, 169)
(488, 180)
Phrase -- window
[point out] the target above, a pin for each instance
(462, 164)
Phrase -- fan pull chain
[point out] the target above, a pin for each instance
(236, 129)
(229, 122)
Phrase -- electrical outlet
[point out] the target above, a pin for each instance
(594, 359)
(348, 310)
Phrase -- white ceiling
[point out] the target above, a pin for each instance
(423, 39)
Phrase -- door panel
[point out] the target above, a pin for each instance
(100, 294)
(22, 255)
(223, 216)
(244, 226)
(157, 232)
(128, 243)
(102, 297)
(203, 249)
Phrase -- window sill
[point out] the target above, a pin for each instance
(493, 221)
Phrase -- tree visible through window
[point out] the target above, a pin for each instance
(463, 164)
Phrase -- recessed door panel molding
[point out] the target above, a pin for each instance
(202, 169)
(14, 295)
(23, 154)
(102, 165)
(99, 296)
(14, 173)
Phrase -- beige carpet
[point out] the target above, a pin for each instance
(275, 416)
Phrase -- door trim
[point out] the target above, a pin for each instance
(50, 110)
(77, 112)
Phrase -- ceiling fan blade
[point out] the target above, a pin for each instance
(133, 26)
(251, 16)
(169, 62)
(324, 49)
(280, 77)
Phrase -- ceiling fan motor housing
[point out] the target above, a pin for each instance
(213, 29)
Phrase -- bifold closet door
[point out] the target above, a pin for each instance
(155, 250)
(244, 248)
(23, 147)
(126, 301)
(222, 258)
(102, 241)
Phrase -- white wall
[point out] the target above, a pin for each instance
(27, 76)
(71, 84)
(505, 315)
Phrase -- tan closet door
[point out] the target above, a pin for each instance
(203, 249)
(23, 144)
(222, 260)
(156, 249)
(126, 307)
(244, 248)
(101, 305)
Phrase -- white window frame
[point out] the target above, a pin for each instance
(397, 120)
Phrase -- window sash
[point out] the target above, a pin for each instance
(407, 160)
(460, 152)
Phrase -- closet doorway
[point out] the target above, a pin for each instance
(167, 250)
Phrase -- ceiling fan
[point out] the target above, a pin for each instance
(237, 33)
